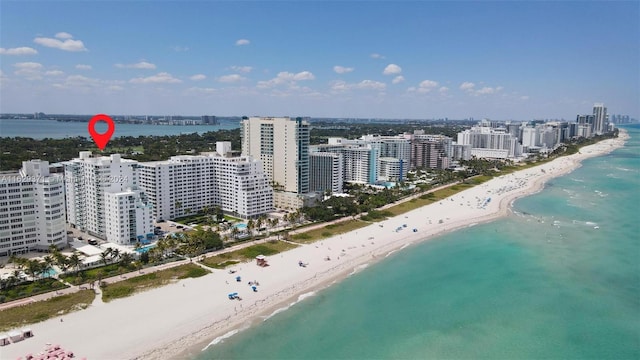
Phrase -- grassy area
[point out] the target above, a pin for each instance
(43, 310)
(29, 289)
(247, 254)
(328, 231)
(90, 275)
(130, 286)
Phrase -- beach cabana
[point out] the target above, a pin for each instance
(15, 336)
(27, 333)
(4, 340)
(261, 260)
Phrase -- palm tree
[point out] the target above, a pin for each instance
(47, 264)
(115, 254)
(74, 261)
(250, 226)
(104, 256)
(234, 232)
(34, 267)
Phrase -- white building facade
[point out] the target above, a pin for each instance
(88, 180)
(32, 212)
(188, 184)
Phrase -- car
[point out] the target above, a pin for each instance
(160, 221)
(179, 226)
(93, 242)
(80, 238)
(173, 225)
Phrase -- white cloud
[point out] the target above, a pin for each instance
(524, 97)
(199, 90)
(242, 69)
(233, 78)
(443, 89)
(376, 56)
(392, 69)
(139, 65)
(467, 86)
(54, 73)
(83, 67)
(285, 77)
(342, 70)
(67, 44)
(398, 79)
(304, 75)
(198, 77)
(160, 78)
(487, 90)
(115, 88)
(18, 51)
(470, 88)
(64, 35)
(242, 42)
(180, 48)
(29, 70)
(363, 85)
(424, 87)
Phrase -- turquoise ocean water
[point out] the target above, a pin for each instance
(559, 279)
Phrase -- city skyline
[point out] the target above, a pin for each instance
(518, 60)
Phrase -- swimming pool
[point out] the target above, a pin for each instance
(240, 226)
(49, 273)
(144, 249)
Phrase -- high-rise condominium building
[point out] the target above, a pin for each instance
(282, 144)
(430, 151)
(326, 172)
(600, 119)
(103, 198)
(188, 184)
(32, 213)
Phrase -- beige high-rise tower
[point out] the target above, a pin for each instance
(282, 144)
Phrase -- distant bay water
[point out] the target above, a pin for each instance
(40, 129)
(558, 279)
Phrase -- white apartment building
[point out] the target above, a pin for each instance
(187, 184)
(282, 144)
(391, 169)
(123, 211)
(88, 180)
(360, 164)
(483, 138)
(32, 213)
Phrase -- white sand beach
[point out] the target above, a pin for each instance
(165, 322)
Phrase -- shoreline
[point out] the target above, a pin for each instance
(180, 319)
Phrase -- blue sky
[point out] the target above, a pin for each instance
(401, 59)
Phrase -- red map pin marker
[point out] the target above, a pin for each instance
(101, 140)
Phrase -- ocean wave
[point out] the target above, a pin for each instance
(278, 311)
(358, 268)
(282, 309)
(221, 338)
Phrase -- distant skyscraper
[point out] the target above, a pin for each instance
(282, 144)
(600, 119)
